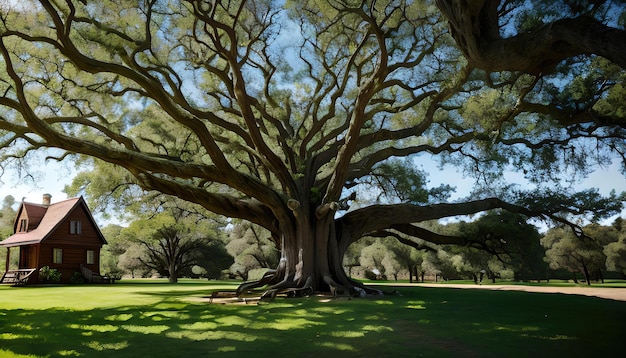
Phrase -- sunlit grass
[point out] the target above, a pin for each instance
(341, 347)
(9, 354)
(347, 334)
(155, 329)
(119, 317)
(416, 305)
(94, 327)
(99, 346)
(9, 336)
(148, 318)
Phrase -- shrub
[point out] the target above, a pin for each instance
(49, 275)
(77, 278)
(115, 274)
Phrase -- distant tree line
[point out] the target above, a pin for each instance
(512, 249)
(174, 239)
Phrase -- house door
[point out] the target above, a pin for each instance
(33, 254)
(28, 257)
(23, 257)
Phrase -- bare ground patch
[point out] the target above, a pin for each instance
(612, 293)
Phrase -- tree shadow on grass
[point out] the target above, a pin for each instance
(422, 322)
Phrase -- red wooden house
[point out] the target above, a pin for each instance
(63, 236)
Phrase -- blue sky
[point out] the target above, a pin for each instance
(53, 177)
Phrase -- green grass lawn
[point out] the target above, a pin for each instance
(152, 318)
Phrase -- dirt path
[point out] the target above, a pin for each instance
(618, 294)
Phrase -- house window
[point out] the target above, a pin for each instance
(75, 227)
(23, 225)
(57, 256)
(90, 257)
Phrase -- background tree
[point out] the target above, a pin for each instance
(176, 239)
(251, 248)
(213, 259)
(584, 255)
(431, 264)
(512, 239)
(372, 259)
(169, 252)
(387, 257)
(7, 217)
(451, 265)
(173, 251)
(7, 220)
(476, 264)
(616, 251)
(602, 237)
(213, 103)
(111, 252)
(392, 266)
(408, 258)
(132, 261)
(351, 258)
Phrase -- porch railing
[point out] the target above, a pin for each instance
(17, 277)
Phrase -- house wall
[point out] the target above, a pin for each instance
(74, 246)
(73, 257)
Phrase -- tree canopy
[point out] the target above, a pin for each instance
(296, 115)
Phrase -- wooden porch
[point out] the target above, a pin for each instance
(17, 277)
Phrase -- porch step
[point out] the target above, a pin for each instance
(17, 277)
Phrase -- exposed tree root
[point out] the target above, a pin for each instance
(279, 284)
(267, 279)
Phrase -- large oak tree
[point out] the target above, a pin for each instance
(297, 115)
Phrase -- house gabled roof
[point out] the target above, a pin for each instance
(49, 217)
(35, 213)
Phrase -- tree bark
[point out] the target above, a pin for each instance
(311, 259)
(474, 26)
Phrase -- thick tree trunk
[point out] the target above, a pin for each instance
(311, 261)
